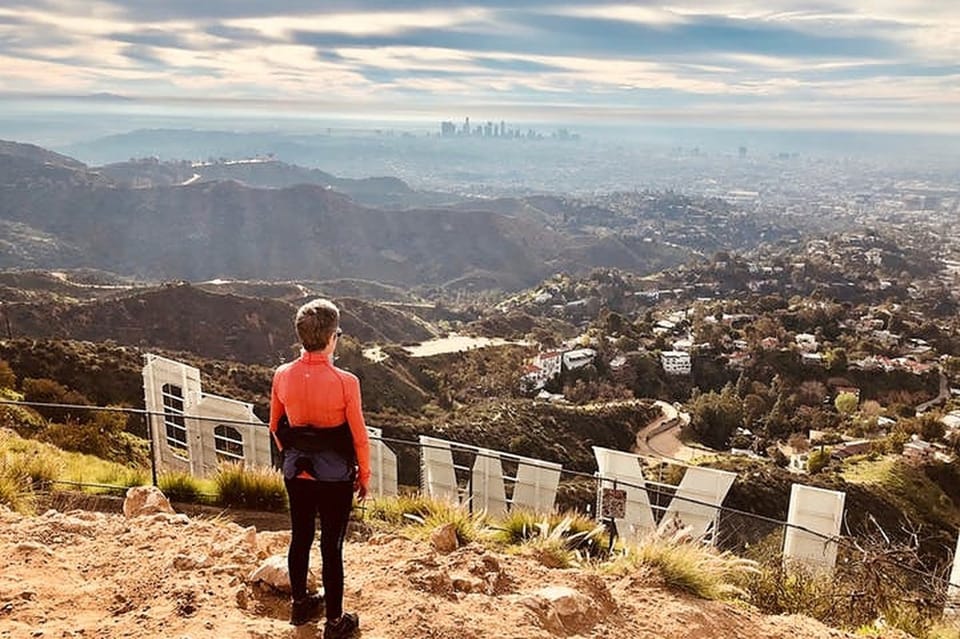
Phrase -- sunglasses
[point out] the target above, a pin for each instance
(339, 332)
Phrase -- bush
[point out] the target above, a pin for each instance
(104, 436)
(564, 543)
(424, 514)
(874, 584)
(48, 391)
(574, 531)
(250, 487)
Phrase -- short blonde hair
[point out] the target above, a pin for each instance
(316, 322)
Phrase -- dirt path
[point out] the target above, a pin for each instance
(86, 574)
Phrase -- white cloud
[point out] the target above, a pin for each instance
(360, 24)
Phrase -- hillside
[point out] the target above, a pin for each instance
(181, 317)
(79, 573)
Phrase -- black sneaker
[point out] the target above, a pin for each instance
(303, 610)
(342, 628)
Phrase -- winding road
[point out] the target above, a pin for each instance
(661, 437)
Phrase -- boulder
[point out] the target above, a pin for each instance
(563, 610)
(145, 500)
(273, 572)
(444, 538)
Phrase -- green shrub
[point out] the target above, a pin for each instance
(250, 487)
(862, 594)
(817, 461)
(22, 419)
(432, 513)
(516, 527)
(48, 391)
(7, 378)
(470, 527)
(104, 435)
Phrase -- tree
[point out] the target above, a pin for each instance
(714, 417)
(846, 403)
(817, 461)
(754, 407)
(7, 377)
(48, 391)
(811, 393)
(836, 360)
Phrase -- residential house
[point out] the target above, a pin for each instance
(578, 358)
(806, 342)
(676, 362)
(545, 366)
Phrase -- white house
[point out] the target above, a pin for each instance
(675, 362)
(806, 342)
(544, 367)
(811, 359)
(575, 359)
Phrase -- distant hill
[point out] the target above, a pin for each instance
(381, 192)
(27, 165)
(180, 317)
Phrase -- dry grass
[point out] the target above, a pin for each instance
(687, 565)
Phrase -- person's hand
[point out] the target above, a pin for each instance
(361, 489)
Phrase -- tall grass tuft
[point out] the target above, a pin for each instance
(15, 490)
(422, 515)
(250, 487)
(470, 527)
(179, 486)
(688, 565)
(579, 532)
(400, 510)
(41, 467)
(563, 544)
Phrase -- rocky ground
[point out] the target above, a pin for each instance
(82, 573)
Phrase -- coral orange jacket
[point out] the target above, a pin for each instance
(313, 392)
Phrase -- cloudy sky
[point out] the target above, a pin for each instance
(782, 63)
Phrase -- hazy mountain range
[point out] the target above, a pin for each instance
(272, 221)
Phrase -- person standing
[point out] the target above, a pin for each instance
(317, 421)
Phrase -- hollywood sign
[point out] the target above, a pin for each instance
(194, 432)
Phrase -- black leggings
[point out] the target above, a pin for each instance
(332, 501)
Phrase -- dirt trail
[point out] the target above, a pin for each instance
(92, 574)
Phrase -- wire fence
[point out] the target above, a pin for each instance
(735, 530)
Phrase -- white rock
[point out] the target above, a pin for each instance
(273, 572)
(145, 500)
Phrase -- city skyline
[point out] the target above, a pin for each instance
(792, 65)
